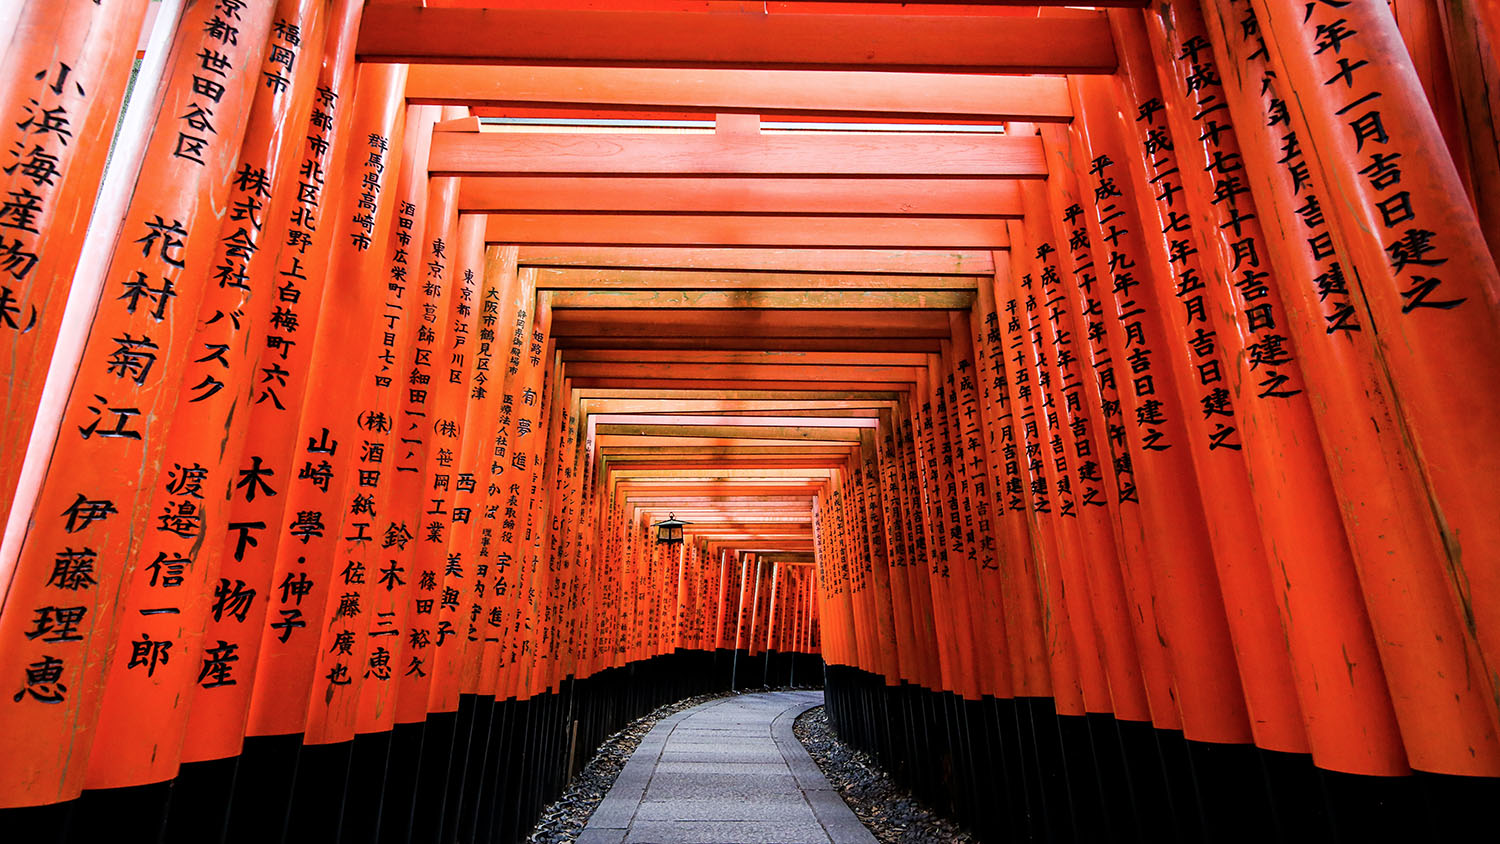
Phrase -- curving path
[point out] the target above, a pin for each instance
(727, 771)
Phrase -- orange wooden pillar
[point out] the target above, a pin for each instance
(858, 567)
(1075, 360)
(1471, 30)
(1150, 433)
(66, 67)
(956, 660)
(347, 657)
(483, 284)
(217, 718)
(570, 544)
(759, 598)
(833, 582)
(531, 422)
(1425, 646)
(966, 383)
(418, 765)
(974, 549)
(1198, 360)
(721, 568)
(483, 513)
(1421, 26)
(61, 608)
(878, 576)
(1410, 243)
(1029, 670)
(927, 542)
(911, 656)
(1074, 453)
(307, 575)
(564, 548)
(856, 646)
(1052, 489)
(181, 554)
(1307, 546)
(1029, 484)
(545, 423)
(438, 274)
(553, 486)
(917, 568)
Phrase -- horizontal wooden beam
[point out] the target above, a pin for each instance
(729, 517)
(744, 421)
(813, 482)
(692, 358)
(743, 455)
(775, 299)
(767, 93)
(758, 547)
(946, 43)
(670, 322)
(677, 405)
(743, 371)
(736, 154)
(551, 278)
(668, 487)
(707, 195)
(722, 517)
(792, 455)
(851, 261)
(735, 395)
(756, 474)
(726, 230)
(861, 413)
(705, 442)
(752, 343)
(670, 384)
(728, 529)
(819, 435)
(788, 500)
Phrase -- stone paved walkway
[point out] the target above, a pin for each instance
(726, 771)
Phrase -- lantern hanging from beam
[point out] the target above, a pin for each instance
(669, 530)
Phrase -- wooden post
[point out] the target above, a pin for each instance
(60, 611)
(66, 66)
(182, 552)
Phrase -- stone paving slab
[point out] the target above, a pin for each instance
(665, 786)
(727, 771)
(748, 769)
(726, 832)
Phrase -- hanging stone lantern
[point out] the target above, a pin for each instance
(669, 530)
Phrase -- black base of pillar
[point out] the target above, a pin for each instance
(200, 802)
(481, 774)
(1016, 770)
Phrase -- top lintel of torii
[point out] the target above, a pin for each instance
(992, 37)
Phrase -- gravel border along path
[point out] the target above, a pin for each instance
(891, 813)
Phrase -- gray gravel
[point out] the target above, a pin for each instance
(891, 813)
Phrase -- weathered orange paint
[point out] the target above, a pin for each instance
(93, 500)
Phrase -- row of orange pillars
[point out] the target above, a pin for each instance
(333, 562)
(1183, 533)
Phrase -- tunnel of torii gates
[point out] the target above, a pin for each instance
(1100, 403)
